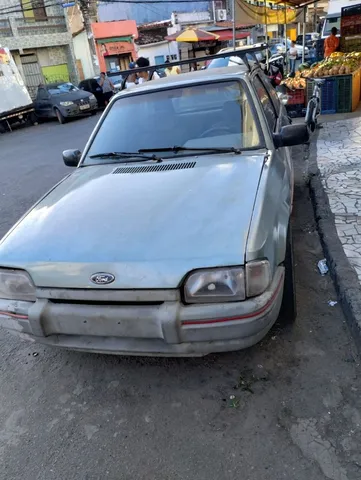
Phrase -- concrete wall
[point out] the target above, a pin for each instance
(82, 53)
(51, 39)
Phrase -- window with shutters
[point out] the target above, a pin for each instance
(34, 10)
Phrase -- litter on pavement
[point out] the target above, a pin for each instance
(332, 303)
(322, 266)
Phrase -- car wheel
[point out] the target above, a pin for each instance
(59, 116)
(288, 310)
(94, 112)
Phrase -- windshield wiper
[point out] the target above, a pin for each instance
(138, 155)
(177, 149)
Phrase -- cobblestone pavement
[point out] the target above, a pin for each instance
(339, 161)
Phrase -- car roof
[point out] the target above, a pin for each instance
(185, 79)
(55, 85)
(244, 47)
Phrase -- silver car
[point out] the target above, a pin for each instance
(172, 236)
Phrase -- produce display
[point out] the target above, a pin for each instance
(295, 83)
(337, 64)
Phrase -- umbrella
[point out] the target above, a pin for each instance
(192, 35)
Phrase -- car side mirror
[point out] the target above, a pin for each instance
(71, 157)
(291, 135)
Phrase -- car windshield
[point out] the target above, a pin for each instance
(215, 115)
(331, 22)
(116, 78)
(62, 88)
(233, 61)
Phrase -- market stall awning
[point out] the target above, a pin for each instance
(225, 35)
(192, 35)
(280, 13)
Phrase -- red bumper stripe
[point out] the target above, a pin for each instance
(15, 315)
(241, 317)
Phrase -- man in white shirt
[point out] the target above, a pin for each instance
(292, 55)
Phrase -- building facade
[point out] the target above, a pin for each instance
(39, 40)
(83, 57)
(151, 43)
(115, 45)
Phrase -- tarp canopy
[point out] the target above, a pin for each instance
(279, 14)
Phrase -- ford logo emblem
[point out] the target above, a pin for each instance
(102, 278)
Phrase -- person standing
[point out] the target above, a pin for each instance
(107, 87)
(144, 76)
(175, 70)
(292, 56)
(331, 43)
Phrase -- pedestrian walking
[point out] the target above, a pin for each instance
(331, 43)
(292, 56)
(107, 86)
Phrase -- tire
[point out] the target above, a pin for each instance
(32, 119)
(3, 127)
(288, 312)
(94, 112)
(60, 116)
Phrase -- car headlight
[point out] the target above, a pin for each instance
(66, 104)
(216, 285)
(16, 285)
(258, 277)
(92, 97)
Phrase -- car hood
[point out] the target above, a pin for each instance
(148, 229)
(71, 96)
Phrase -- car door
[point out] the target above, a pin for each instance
(43, 105)
(276, 117)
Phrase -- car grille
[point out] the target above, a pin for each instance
(154, 168)
(82, 102)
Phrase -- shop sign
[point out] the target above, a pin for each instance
(114, 48)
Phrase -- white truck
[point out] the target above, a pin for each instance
(16, 106)
(333, 17)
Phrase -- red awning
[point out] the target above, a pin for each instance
(225, 35)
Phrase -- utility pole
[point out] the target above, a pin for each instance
(88, 10)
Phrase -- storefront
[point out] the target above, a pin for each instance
(115, 44)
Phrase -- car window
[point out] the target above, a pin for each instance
(329, 24)
(42, 94)
(200, 116)
(225, 62)
(266, 102)
(62, 88)
(272, 92)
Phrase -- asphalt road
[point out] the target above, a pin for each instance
(296, 411)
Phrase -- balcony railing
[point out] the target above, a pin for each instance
(5, 28)
(28, 26)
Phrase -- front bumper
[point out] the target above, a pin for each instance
(143, 322)
(76, 111)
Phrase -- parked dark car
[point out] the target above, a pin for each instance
(63, 101)
(91, 85)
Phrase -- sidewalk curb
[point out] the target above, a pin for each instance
(343, 275)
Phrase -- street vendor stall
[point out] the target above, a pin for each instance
(340, 93)
(341, 90)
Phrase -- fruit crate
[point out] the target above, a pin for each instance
(296, 97)
(347, 92)
(328, 94)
